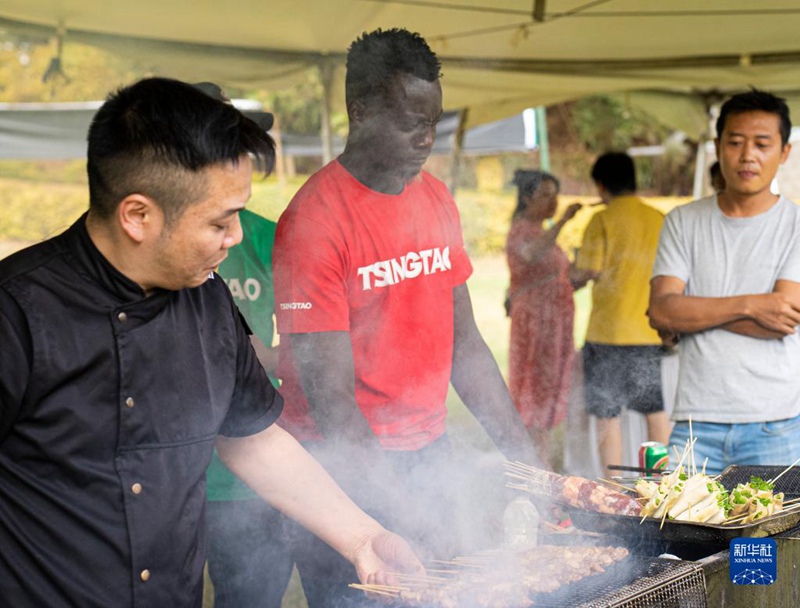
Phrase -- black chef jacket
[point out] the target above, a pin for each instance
(110, 403)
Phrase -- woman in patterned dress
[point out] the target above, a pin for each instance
(541, 308)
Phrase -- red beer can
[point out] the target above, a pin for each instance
(653, 455)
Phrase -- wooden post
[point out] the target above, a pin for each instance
(458, 144)
(541, 137)
(280, 161)
(326, 134)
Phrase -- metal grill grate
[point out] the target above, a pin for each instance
(788, 482)
(636, 582)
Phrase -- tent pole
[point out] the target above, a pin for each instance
(541, 138)
(280, 161)
(326, 78)
(699, 169)
(458, 145)
(701, 161)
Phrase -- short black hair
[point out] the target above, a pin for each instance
(616, 172)
(156, 136)
(375, 58)
(527, 182)
(755, 100)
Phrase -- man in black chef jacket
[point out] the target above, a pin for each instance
(123, 362)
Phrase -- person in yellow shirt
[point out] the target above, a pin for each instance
(621, 356)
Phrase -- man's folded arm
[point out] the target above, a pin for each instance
(769, 316)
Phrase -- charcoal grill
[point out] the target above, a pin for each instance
(636, 582)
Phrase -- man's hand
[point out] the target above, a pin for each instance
(768, 315)
(668, 338)
(570, 212)
(381, 554)
(578, 277)
(774, 311)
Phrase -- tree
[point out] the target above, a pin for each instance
(579, 131)
(86, 73)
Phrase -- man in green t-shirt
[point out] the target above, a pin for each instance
(248, 561)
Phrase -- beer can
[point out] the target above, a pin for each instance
(653, 455)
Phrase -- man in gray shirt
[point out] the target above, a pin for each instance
(726, 282)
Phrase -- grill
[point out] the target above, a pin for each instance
(789, 482)
(637, 582)
(705, 534)
(650, 582)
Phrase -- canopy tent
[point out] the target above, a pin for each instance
(498, 56)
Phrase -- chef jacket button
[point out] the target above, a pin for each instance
(136, 488)
(145, 575)
(130, 402)
(122, 317)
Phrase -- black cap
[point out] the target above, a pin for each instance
(265, 120)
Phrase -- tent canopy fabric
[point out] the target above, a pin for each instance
(498, 56)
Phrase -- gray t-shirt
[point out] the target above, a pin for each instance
(725, 377)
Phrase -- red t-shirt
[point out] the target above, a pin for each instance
(382, 267)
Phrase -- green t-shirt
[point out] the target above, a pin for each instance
(248, 273)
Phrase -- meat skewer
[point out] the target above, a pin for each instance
(506, 580)
(573, 491)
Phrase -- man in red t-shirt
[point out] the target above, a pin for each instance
(375, 316)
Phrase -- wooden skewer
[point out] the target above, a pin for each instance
(379, 589)
(527, 470)
(691, 437)
(518, 464)
(663, 518)
(736, 520)
(520, 486)
(772, 481)
(418, 577)
(517, 476)
(455, 563)
(471, 561)
(794, 507)
(453, 572)
(614, 483)
(686, 451)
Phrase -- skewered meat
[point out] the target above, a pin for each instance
(592, 496)
(572, 491)
(508, 579)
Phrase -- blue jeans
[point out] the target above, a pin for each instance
(756, 443)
